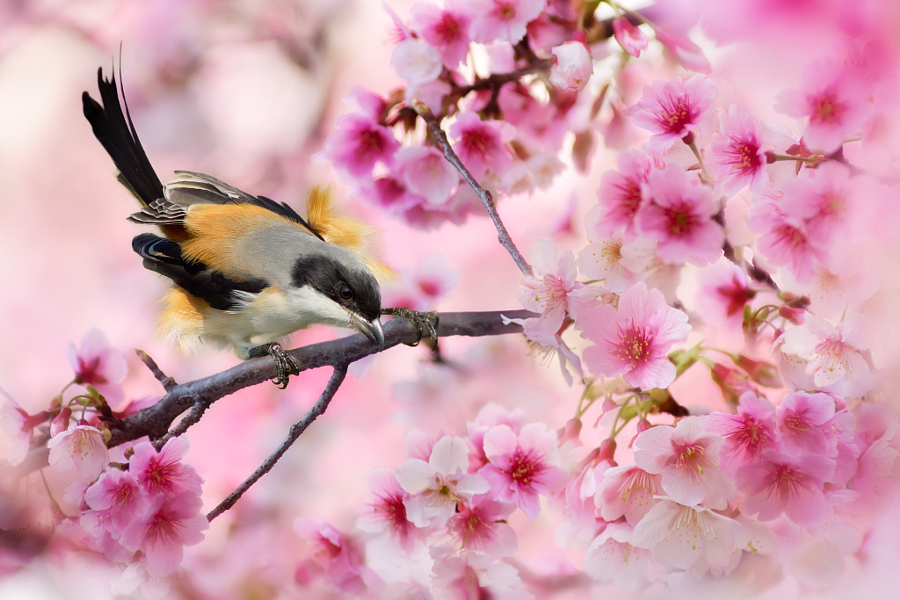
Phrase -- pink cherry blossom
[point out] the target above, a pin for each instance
(611, 557)
(16, 430)
(553, 290)
(823, 200)
(391, 194)
(679, 217)
(632, 39)
(872, 480)
(502, 19)
(366, 102)
(634, 340)
(520, 469)
(603, 260)
(833, 102)
(780, 483)
(427, 173)
(117, 494)
(724, 292)
(446, 29)
(573, 66)
(680, 536)
(802, 420)
(416, 61)
(430, 93)
(80, 447)
(833, 354)
(687, 457)
(549, 345)
(737, 153)
(673, 110)
(481, 145)
(621, 193)
(747, 434)
(98, 364)
(170, 524)
(336, 557)
(163, 472)
(475, 576)
(627, 491)
(684, 50)
(387, 511)
(785, 240)
(481, 526)
(422, 286)
(489, 417)
(358, 143)
(437, 486)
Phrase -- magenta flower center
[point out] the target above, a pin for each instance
(475, 528)
(393, 510)
(88, 371)
(629, 199)
(826, 109)
(692, 460)
(796, 426)
(786, 480)
(161, 476)
(163, 529)
(680, 219)
(751, 437)
(745, 156)
(736, 295)
(675, 115)
(477, 143)
(371, 144)
(634, 345)
(792, 237)
(447, 29)
(504, 11)
(552, 292)
(523, 469)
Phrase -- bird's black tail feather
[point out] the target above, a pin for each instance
(115, 131)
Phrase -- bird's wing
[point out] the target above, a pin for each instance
(165, 257)
(341, 230)
(189, 189)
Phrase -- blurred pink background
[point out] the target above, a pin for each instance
(247, 92)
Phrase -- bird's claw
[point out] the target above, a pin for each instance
(285, 363)
(423, 321)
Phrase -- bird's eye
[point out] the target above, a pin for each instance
(345, 292)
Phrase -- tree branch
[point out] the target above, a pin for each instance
(502, 234)
(156, 420)
(297, 429)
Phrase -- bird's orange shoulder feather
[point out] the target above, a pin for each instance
(341, 230)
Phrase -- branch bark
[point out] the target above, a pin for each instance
(337, 377)
(155, 421)
(486, 198)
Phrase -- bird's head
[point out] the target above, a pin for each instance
(345, 292)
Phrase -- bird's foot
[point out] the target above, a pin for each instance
(286, 364)
(423, 321)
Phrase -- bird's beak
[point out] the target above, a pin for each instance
(370, 329)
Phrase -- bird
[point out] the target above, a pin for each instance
(246, 271)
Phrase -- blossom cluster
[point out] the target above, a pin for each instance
(700, 495)
(724, 330)
(135, 504)
(509, 80)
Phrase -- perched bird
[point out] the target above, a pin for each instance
(246, 270)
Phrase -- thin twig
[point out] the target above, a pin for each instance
(337, 377)
(192, 418)
(502, 234)
(167, 382)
